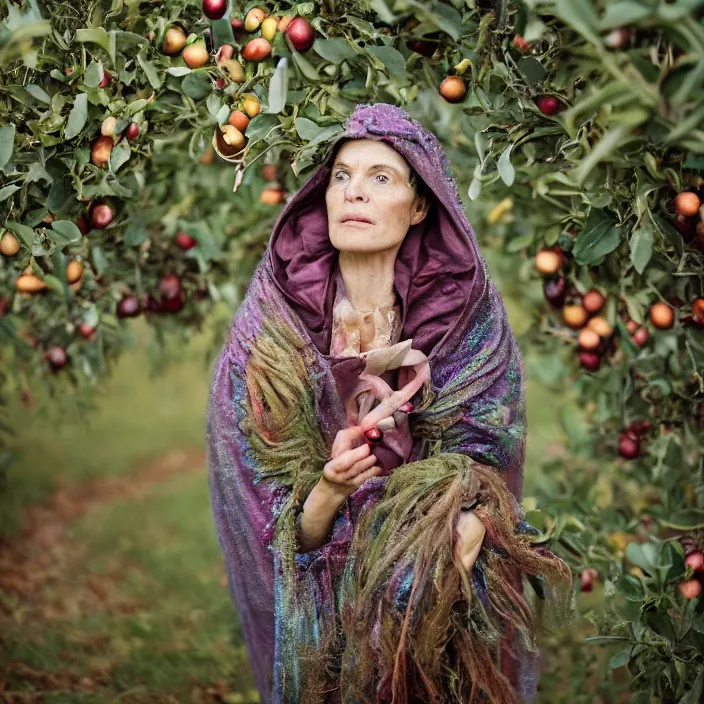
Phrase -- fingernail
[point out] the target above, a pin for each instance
(374, 435)
(407, 407)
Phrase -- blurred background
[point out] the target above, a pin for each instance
(146, 150)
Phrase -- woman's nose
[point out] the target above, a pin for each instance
(355, 191)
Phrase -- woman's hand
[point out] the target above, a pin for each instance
(471, 531)
(349, 466)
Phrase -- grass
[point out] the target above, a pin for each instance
(137, 608)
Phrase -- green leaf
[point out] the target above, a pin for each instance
(77, 117)
(93, 75)
(641, 247)
(446, 18)
(599, 238)
(506, 170)
(475, 188)
(120, 155)
(642, 555)
(687, 519)
(621, 14)
(532, 69)
(383, 12)
(336, 50)
(135, 234)
(97, 36)
(620, 659)
(196, 85)
(392, 59)
(7, 141)
(305, 67)
(6, 192)
(65, 232)
(307, 129)
(39, 93)
(178, 71)
(152, 76)
(26, 234)
(694, 696)
(581, 16)
(278, 87)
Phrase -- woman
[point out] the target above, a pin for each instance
(366, 440)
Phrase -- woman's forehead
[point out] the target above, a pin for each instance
(369, 152)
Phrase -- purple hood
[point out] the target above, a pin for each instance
(439, 270)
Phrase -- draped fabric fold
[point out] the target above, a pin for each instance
(382, 612)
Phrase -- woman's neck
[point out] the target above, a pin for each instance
(369, 278)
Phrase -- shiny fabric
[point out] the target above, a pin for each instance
(473, 405)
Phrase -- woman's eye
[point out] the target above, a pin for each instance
(383, 176)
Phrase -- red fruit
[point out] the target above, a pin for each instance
(662, 316)
(628, 447)
(4, 305)
(373, 435)
(687, 226)
(256, 50)
(128, 307)
(453, 89)
(268, 171)
(695, 560)
(588, 340)
(214, 9)
(172, 305)
(555, 291)
(301, 33)
(86, 331)
(641, 336)
(698, 311)
(593, 301)
(587, 579)
(520, 43)
(56, 356)
(185, 241)
(591, 361)
(639, 428)
(82, 224)
(169, 286)
(196, 55)
(106, 79)
(631, 326)
(690, 589)
(687, 203)
(132, 131)
(174, 40)
(101, 216)
(422, 47)
(618, 38)
(548, 105)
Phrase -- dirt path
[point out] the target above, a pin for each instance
(40, 569)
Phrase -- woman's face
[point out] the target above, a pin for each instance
(369, 180)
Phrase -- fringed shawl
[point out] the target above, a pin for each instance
(382, 611)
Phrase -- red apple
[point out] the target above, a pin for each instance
(86, 331)
(132, 131)
(56, 356)
(214, 9)
(101, 216)
(422, 46)
(301, 33)
(591, 361)
(695, 560)
(185, 241)
(169, 286)
(690, 589)
(628, 447)
(128, 307)
(548, 105)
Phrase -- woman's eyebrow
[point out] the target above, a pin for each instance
(375, 167)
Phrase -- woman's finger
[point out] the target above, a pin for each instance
(360, 466)
(361, 478)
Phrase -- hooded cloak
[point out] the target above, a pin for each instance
(380, 612)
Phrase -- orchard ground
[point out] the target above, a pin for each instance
(112, 586)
